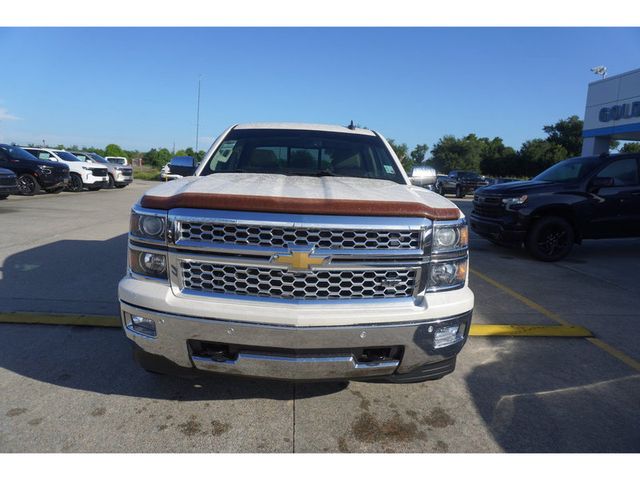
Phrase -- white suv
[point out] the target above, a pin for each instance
(83, 174)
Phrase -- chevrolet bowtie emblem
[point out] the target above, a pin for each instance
(299, 260)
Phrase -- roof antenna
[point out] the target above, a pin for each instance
(351, 126)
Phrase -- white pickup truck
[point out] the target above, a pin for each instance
(297, 252)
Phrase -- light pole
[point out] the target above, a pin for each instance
(198, 117)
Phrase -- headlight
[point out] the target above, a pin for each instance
(446, 275)
(86, 168)
(449, 236)
(150, 264)
(148, 226)
(447, 269)
(514, 201)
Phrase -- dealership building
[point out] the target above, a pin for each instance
(612, 113)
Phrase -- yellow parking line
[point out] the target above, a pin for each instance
(479, 330)
(614, 352)
(52, 319)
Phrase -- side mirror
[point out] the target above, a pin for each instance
(601, 182)
(423, 176)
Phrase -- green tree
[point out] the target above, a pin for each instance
(537, 155)
(452, 153)
(631, 147)
(113, 150)
(497, 159)
(402, 152)
(157, 157)
(419, 153)
(566, 133)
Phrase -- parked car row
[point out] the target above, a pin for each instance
(36, 169)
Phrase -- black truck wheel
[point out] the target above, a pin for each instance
(28, 185)
(550, 239)
(75, 185)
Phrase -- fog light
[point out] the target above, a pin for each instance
(143, 325)
(444, 336)
(153, 263)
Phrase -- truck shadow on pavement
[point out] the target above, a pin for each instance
(537, 396)
(81, 276)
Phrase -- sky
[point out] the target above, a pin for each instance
(137, 87)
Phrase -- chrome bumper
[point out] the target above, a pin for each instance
(270, 351)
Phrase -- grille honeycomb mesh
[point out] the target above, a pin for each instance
(266, 236)
(305, 285)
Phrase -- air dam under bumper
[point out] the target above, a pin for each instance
(302, 353)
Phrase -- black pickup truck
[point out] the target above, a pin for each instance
(579, 198)
(459, 182)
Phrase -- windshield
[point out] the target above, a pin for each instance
(305, 153)
(67, 156)
(98, 158)
(568, 170)
(117, 160)
(17, 153)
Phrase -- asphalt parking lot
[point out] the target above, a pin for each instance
(76, 389)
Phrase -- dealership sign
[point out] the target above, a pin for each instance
(617, 112)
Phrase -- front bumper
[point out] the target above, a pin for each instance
(508, 229)
(8, 190)
(301, 353)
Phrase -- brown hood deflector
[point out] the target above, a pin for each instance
(310, 206)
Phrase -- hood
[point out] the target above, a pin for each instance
(300, 194)
(48, 163)
(520, 188)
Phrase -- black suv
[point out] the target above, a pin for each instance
(578, 198)
(460, 182)
(33, 174)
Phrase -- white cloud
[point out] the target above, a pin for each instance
(5, 115)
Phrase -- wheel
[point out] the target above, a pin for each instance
(550, 239)
(93, 189)
(75, 185)
(120, 186)
(459, 192)
(112, 182)
(54, 190)
(28, 185)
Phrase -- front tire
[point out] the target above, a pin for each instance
(550, 239)
(75, 185)
(28, 185)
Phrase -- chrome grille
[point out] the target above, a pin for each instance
(305, 285)
(266, 236)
